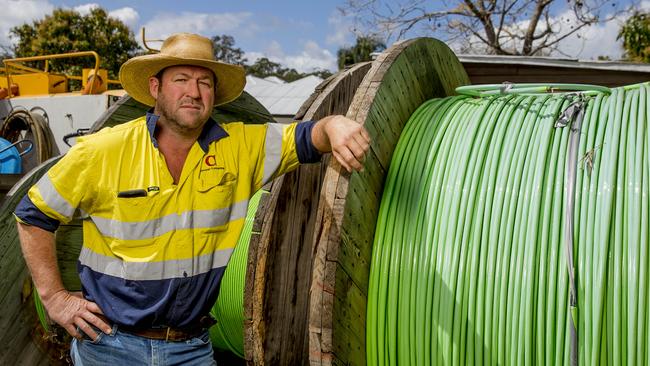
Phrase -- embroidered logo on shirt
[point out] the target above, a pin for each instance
(210, 160)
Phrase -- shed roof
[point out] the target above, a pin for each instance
(489, 69)
(279, 97)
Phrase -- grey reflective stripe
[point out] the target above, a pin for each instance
(272, 150)
(187, 220)
(161, 270)
(52, 197)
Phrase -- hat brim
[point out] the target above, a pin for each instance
(135, 74)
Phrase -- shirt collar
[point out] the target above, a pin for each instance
(211, 131)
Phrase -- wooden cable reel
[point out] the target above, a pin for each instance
(333, 244)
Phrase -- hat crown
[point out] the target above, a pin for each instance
(188, 45)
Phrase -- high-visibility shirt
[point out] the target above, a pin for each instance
(154, 252)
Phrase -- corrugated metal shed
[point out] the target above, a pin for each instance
(279, 97)
(490, 69)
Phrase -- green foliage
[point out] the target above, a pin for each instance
(263, 67)
(225, 50)
(5, 52)
(360, 52)
(68, 31)
(636, 37)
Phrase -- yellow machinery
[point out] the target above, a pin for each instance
(32, 81)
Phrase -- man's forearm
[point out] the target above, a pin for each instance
(73, 313)
(39, 250)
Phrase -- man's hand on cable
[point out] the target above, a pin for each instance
(74, 313)
(348, 140)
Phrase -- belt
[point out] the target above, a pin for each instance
(168, 334)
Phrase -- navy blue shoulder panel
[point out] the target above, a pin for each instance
(30, 214)
(307, 153)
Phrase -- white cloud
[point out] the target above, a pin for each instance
(127, 15)
(311, 57)
(595, 40)
(85, 9)
(164, 24)
(341, 34)
(15, 13)
(590, 41)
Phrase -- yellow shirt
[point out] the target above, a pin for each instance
(154, 252)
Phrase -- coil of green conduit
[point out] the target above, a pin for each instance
(228, 310)
(469, 263)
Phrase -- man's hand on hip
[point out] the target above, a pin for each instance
(348, 140)
(75, 314)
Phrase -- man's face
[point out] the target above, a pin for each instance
(184, 97)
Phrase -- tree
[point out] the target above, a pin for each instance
(636, 37)
(68, 31)
(225, 50)
(360, 52)
(503, 27)
(321, 73)
(5, 52)
(263, 67)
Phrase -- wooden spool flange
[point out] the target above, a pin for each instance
(280, 256)
(400, 80)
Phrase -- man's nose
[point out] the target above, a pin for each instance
(193, 89)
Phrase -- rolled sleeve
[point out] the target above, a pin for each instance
(27, 213)
(307, 152)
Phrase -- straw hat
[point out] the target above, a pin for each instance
(181, 49)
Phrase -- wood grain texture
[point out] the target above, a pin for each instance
(402, 78)
(280, 302)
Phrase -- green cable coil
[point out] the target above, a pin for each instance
(228, 333)
(469, 264)
(40, 310)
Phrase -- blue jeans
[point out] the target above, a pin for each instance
(121, 348)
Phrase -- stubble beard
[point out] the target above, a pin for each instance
(170, 120)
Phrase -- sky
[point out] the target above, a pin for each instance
(299, 34)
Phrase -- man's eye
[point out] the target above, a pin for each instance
(181, 80)
(206, 84)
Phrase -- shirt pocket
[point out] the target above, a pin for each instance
(135, 208)
(214, 199)
(136, 218)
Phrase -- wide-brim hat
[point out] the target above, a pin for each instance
(182, 49)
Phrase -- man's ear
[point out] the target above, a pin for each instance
(153, 87)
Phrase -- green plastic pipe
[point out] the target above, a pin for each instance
(469, 263)
(228, 310)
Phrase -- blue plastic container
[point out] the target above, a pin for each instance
(10, 161)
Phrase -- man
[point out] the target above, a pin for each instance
(164, 199)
